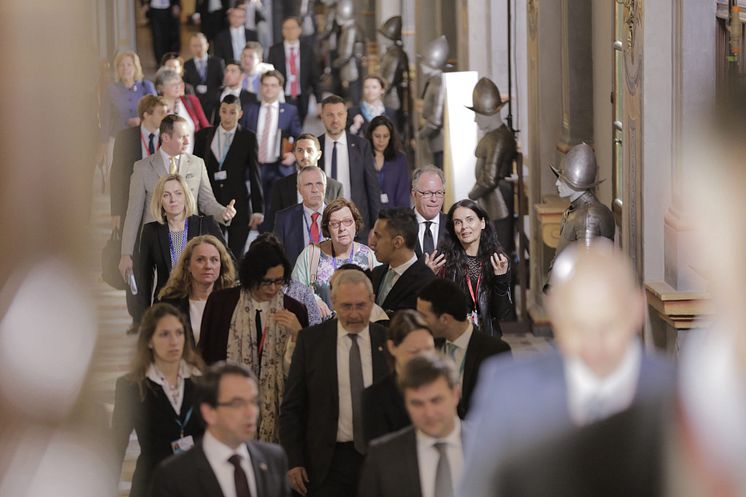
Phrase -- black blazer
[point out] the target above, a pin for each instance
(223, 45)
(213, 81)
(189, 474)
(240, 165)
(383, 407)
(154, 421)
(309, 68)
(365, 190)
(285, 194)
(442, 220)
(127, 151)
(155, 253)
(310, 409)
(403, 295)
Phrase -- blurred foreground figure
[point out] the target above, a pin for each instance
(597, 310)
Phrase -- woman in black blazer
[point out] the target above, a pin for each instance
(156, 397)
(383, 403)
(202, 268)
(163, 240)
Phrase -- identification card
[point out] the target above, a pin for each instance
(221, 175)
(182, 445)
(201, 88)
(384, 198)
(474, 318)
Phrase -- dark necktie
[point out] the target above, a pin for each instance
(239, 477)
(443, 482)
(151, 143)
(427, 241)
(356, 392)
(334, 161)
(258, 321)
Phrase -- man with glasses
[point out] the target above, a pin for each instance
(226, 461)
(428, 192)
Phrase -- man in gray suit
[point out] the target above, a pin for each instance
(597, 310)
(170, 158)
(425, 459)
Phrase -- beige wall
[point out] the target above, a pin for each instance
(602, 107)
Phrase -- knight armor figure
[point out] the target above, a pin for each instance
(433, 61)
(394, 66)
(350, 49)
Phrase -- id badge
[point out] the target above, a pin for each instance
(182, 445)
(384, 198)
(221, 175)
(201, 89)
(474, 318)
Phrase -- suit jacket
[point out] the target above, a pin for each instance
(383, 407)
(310, 410)
(222, 46)
(189, 474)
(403, 295)
(213, 80)
(145, 176)
(309, 68)
(155, 253)
(216, 321)
(127, 151)
(442, 220)
(285, 194)
(240, 166)
(527, 419)
(289, 227)
(364, 188)
(287, 121)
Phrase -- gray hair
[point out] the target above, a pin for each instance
(429, 169)
(165, 75)
(310, 169)
(350, 276)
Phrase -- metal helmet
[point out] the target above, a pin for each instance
(436, 53)
(578, 168)
(391, 29)
(345, 10)
(486, 98)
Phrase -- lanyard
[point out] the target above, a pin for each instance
(183, 424)
(222, 152)
(145, 144)
(348, 261)
(171, 247)
(264, 339)
(474, 294)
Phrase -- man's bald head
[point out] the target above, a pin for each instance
(595, 305)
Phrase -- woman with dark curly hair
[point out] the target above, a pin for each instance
(471, 256)
(256, 325)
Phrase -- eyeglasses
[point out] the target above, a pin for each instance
(344, 222)
(238, 403)
(276, 282)
(439, 194)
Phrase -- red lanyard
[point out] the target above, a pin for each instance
(145, 144)
(474, 295)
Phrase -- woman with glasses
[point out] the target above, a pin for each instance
(155, 398)
(256, 325)
(471, 256)
(391, 164)
(315, 265)
(171, 87)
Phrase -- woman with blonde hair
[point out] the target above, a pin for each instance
(156, 397)
(163, 240)
(203, 266)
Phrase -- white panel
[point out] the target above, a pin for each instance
(459, 135)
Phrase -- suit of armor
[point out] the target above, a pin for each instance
(495, 154)
(584, 220)
(433, 62)
(350, 49)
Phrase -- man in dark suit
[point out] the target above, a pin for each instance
(131, 145)
(163, 16)
(232, 77)
(204, 72)
(274, 123)
(285, 191)
(297, 63)
(445, 309)
(401, 276)
(321, 424)
(229, 152)
(229, 43)
(210, 15)
(428, 192)
(349, 159)
(225, 461)
(427, 458)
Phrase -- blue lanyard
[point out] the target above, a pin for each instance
(222, 152)
(348, 261)
(183, 424)
(171, 247)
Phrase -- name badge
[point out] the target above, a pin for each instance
(221, 175)
(182, 445)
(384, 198)
(201, 88)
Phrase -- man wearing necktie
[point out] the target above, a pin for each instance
(321, 425)
(275, 124)
(229, 152)
(226, 461)
(426, 459)
(428, 193)
(229, 43)
(253, 67)
(204, 72)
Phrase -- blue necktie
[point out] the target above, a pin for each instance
(151, 144)
(334, 161)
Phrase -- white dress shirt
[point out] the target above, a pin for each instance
(145, 137)
(287, 47)
(217, 454)
(343, 162)
(587, 393)
(433, 228)
(236, 92)
(167, 159)
(214, 5)
(344, 343)
(238, 41)
(459, 354)
(273, 144)
(160, 4)
(428, 455)
(307, 213)
(181, 111)
(196, 310)
(221, 143)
